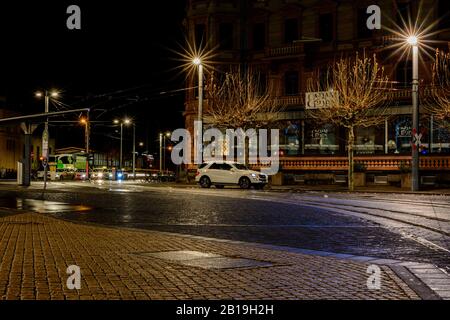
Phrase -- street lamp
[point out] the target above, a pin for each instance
(126, 122)
(85, 122)
(198, 62)
(413, 41)
(45, 135)
(162, 150)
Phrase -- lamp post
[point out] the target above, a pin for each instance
(127, 122)
(160, 152)
(413, 41)
(85, 121)
(198, 62)
(45, 135)
(134, 151)
(165, 136)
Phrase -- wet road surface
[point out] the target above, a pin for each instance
(307, 222)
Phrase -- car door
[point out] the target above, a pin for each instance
(228, 175)
(214, 172)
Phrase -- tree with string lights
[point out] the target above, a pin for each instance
(357, 94)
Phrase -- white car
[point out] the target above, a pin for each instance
(225, 173)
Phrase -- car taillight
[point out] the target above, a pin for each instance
(198, 173)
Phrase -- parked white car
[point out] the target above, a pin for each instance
(225, 173)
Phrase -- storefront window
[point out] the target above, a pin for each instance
(400, 134)
(399, 140)
(321, 139)
(291, 138)
(369, 140)
(441, 137)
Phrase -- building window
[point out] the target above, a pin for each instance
(403, 13)
(369, 140)
(10, 145)
(290, 138)
(290, 30)
(291, 83)
(444, 9)
(403, 73)
(226, 36)
(363, 31)
(200, 35)
(441, 137)
(321, 139)
(259, 36)
(261, 80)
(326, 29)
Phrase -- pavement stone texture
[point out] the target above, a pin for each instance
(35, 251)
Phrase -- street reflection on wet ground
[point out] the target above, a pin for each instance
(40, 206)
(243, 219)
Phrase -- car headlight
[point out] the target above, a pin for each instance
(253, 175)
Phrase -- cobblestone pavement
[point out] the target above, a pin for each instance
(302, 221)
(35, 251)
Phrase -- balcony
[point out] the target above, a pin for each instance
(286, 101)
(290, 50)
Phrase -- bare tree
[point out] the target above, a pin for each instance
(239, 99)
(439, 105)
(358, 94)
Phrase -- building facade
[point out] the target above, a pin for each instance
(288, 40)
(12, 146)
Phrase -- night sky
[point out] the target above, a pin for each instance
(118, 62)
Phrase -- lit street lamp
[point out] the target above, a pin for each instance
(198, 62)
(162, 146)
(413, 41)
(45, 135)
(126, 122)
(86, 123)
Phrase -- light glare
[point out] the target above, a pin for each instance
(412, 40)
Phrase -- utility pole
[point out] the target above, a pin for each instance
(45, 140)
(160, 152)
(87, 134)
(134, 151)
(121, 144)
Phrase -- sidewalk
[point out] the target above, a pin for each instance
(35, 251)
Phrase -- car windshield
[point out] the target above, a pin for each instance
(240, 166)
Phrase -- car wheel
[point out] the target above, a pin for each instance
(218, 186)
(245, 183)
(205, 182)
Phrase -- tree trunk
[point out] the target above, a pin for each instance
(351, 142)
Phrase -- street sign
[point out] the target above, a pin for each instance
(320, 99)
(416, 139)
